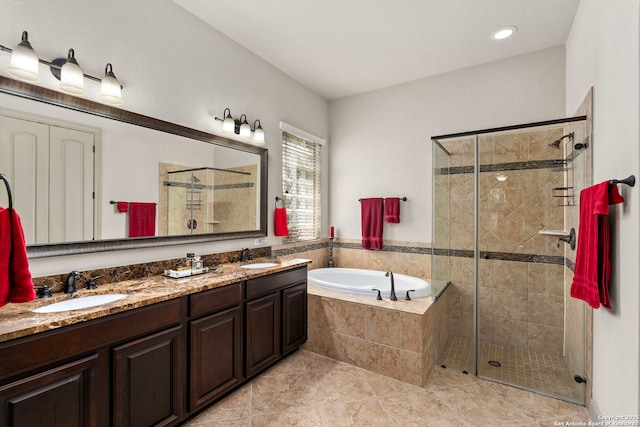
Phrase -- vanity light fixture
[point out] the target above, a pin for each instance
(24, 61)
(24, 66)
(232, 127)
(71, 76)
(258, 134)
(228, 124)
(245, 129)
(504, 32)
(110, 89)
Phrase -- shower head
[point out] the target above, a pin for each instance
(556, 144)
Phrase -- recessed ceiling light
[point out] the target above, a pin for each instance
(504, 32)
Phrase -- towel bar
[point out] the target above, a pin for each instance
(404, 199)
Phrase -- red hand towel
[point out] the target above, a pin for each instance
(593, 265)
(372, 213)
(122, 207)
(15, 279)
(142, 219)
(392, 210)
(280, 225)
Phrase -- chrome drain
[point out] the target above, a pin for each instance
(495, 363)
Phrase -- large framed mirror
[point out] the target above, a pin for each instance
(89, 178)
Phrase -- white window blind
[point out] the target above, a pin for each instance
(301, 187)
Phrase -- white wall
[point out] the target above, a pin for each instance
(380, 141)
(174, 67)
(602, 51)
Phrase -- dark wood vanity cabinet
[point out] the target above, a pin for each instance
(63, 396)
(263, 333)
(276, 318)
(294, 317)
(154, 365)
(216, 335)
(97, 373)
(148, 381)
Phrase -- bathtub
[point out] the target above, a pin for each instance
(360, 282)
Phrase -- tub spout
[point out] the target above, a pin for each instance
(392, 296)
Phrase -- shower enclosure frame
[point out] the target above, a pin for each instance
(477, 253)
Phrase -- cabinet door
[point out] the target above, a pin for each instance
(294, 317)
(263, 333)
(216, 356)
(147, 389)
(63, 396)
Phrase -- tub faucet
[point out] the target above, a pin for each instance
(392, 297)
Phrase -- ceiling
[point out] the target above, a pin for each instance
(339, 48)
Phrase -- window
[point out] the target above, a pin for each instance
(301, 186)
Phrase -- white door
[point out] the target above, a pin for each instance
(51, 172)
(71, 185)
(26, 144)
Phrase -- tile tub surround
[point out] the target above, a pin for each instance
(312, 390)
(16, 320)
(317, 251)
(410, 258)
(392, 338)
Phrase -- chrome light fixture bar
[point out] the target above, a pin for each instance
(241, 127)
(24, 66)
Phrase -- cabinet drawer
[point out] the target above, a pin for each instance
(215, 299)
(266, 284)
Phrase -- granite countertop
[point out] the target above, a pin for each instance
(17, 320)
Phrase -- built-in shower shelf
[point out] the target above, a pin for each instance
(556, 233)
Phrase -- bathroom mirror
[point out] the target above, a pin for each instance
(204, 187)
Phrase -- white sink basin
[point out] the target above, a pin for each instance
(79, 303)
(260, 265)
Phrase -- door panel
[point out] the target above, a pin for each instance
(27, 143)
(71, 186)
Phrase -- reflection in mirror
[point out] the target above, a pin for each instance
(207, 199)
(204, 187)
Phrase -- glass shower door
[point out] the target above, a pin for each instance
(453, 268)
(500, 275)
(521, 291)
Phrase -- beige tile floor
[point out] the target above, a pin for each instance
(307, 389)
(534, 370)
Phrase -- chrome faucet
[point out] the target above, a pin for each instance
(392, 296)
(244, 254)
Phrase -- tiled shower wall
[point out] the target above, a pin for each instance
(521, 279)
